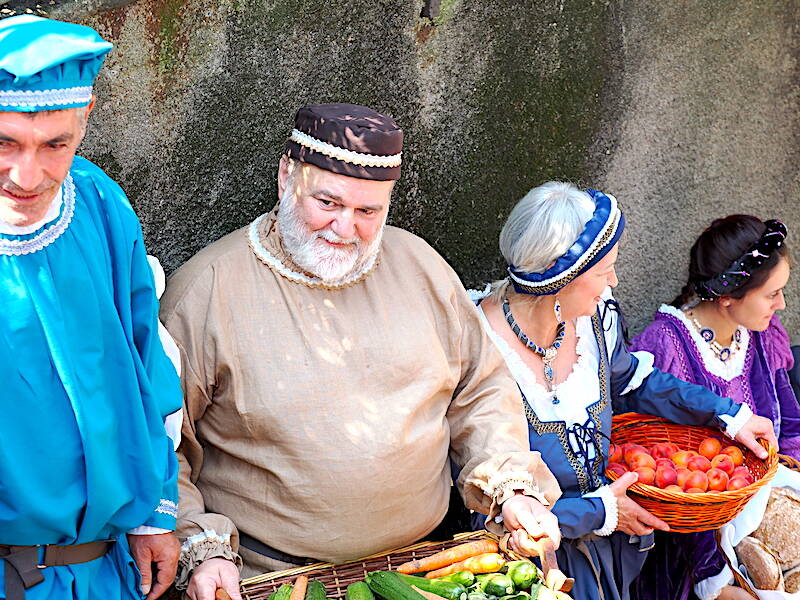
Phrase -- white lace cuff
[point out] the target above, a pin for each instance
(505, 484)
(709, 589)
(610, 505)
(201, 547)
(643, 370)
(734, 423)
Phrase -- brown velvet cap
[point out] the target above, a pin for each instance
(347, 139)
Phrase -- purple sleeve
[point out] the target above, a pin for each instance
(660, 340)
(777, 345)
(779, 357)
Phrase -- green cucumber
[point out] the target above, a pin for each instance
(496, 584)
(522, 573)
(388, 585)
(358, 591)
(517, 596)
(284, 592)
(445, 589)
(316, 591)
(465, 578)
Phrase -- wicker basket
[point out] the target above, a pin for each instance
(790, 463)
(688, 513)
(336, 578)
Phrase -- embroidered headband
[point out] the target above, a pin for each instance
(347, 139)
(740, 270)
(599, 235)
(47, 64)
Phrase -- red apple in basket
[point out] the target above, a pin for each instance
(723, 462)
(743, 472)
(673, 488)
(614, 453)
(699, 463)
(683, 475)
(631, 450)
(682, 457)
(695, 491)
(737, 483)
(646, 475)
(663, 450)
(666, 477)
(735, 454)
(698, 480)
(664, 463)
(642, 460)
(617, 468)
(709, 447)
(717, 479)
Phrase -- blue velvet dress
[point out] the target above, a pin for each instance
(85, 387)
(605, 566)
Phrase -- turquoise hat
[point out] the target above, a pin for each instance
(47, 64)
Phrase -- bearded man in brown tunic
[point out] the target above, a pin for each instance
(333, 366)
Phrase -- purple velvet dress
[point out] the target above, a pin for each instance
(678, 561)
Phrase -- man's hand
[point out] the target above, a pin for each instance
(163, 549)
(757, 427)
(211, 575)
(523, 516)
(632, 518)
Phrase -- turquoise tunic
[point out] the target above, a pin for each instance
(85, 386)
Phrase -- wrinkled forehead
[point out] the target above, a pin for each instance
(312, 179)
(42, 123)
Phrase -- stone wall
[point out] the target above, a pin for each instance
(684, 110)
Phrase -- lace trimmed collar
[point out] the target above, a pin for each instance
(727, 370)
(48, 231)
(262, 236)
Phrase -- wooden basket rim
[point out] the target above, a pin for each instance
(265, 577)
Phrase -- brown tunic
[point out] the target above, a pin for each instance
(320, 421)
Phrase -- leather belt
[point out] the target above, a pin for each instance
(23, 569)
(261, 548)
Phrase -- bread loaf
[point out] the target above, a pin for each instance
(761, 565)
(791, 580)
(780, 525)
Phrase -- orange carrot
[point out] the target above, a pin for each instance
(448, 557)
(299, 589)
(484, 563)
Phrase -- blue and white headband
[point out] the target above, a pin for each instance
(599, 236)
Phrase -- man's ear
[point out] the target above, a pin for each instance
(283, 175)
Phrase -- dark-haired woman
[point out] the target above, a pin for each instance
(722, 332)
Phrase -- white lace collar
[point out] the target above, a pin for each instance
(51, 229)
(727, 370)
(51, 215)
(254, 233)
(581, 386)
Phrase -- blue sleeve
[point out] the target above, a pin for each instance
(662, 394)
(579, 516)
(164, 381)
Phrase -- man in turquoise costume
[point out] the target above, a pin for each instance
(88, 475)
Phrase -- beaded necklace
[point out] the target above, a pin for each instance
(548, 354)
(723, 353)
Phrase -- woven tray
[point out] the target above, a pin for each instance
(336, 578)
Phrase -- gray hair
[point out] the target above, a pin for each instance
(542, 227)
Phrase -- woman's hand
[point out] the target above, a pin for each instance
(632, 518)
(757, 427)
(525, 516)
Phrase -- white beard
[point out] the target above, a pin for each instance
(311, 253)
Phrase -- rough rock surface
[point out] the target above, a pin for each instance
(685, 111)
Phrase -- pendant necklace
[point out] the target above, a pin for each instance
(548, 354)
(723, 353)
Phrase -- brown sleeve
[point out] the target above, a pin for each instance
(489, 433)
(204, 534)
